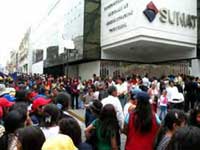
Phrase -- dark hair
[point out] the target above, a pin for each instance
(21, 107)
(187, 138)
(122, 79)
(21, 96)
(93, 88)
(42, 90)
(96, 107)
(143, 116)
(63, 99)
(132, 96)
(69, 126)
(13, 120)
(111, 89)
(51, 115)
(109, 122)
(31, 138)
(171, 81)
(174, 116)
(193, 115)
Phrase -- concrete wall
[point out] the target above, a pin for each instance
(38, 67)
(195, 70)
(73, 71)
(86, 70)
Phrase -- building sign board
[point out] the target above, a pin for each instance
(171, 17)
(170, 20)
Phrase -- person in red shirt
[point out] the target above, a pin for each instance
(141, 125)
(74, 93)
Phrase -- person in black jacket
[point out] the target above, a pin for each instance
(190, 93)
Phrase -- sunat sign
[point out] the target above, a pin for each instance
(171, 17)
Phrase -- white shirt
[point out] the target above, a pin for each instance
(50, 132)
(172, 93)
(122, 88)
(118, 108)
(111, 83)
(145, 81)
(126, 107)
(179, 98)
(96, 95)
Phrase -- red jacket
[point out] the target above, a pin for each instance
(138, 141)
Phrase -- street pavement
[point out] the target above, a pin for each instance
(80, 115)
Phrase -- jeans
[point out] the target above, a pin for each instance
(74, 98)
(123, 100)
(163, 112)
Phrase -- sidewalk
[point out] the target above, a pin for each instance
(78, 113)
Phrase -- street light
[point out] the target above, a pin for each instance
(69, 46)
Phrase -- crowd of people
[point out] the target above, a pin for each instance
(154, 113)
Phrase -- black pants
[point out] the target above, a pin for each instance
(74, 98)
(176, 106)
(190, 100)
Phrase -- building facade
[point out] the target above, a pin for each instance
(12, 66)
(117, 37)
(72, 20)
(23, 54)
(157, 32)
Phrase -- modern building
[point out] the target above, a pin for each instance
(117, 37)
(151, 32)
(72, 20)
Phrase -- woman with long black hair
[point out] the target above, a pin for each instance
(106, 129)
(141, 125)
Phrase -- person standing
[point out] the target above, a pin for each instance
(194, 118)
(74, 93)
(154, 94)
(145, 81)
(106, 128)
(163, 104)
(122, 89)
(132, 103)
(190, 93)
(174, 120)
(141, 125)
(114, 100)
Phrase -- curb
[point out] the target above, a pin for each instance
(76, 115)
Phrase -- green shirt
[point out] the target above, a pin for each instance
(102, 142)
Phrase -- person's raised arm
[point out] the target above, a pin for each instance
(114, 143)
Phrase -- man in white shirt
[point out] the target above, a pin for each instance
(122, 90)
(114, 100)
(146, 81)
(172, 91)
(110, 82)
(175, 98)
